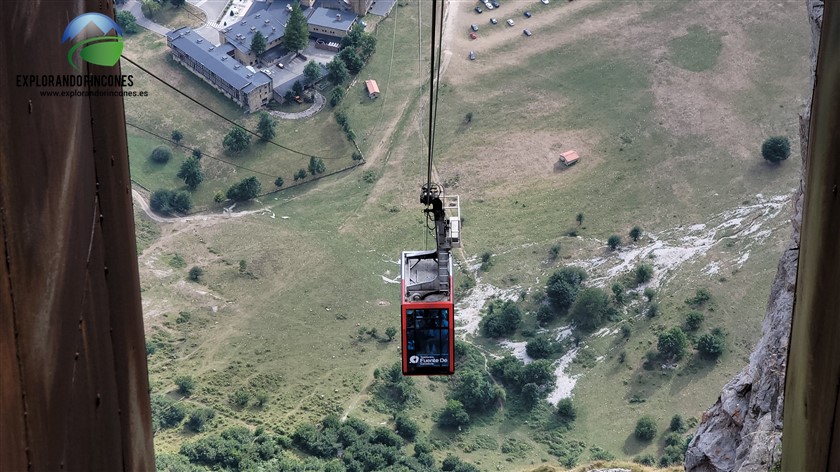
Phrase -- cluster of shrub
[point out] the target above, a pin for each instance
(675, 443)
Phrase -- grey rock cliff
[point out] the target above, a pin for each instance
(742, 431)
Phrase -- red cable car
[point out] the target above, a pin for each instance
(428, 307)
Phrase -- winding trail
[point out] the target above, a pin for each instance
(315, 108)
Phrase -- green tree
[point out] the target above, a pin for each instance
(613, 242)
(390, 332)
(711, 345)
(177, 3)
(644, 272)
(300, 174)
(219, 197)
(316, 166)
(591, 308)
(618, 292)
(337, 72)
(150, 8)
(454, 415)
(672, 344)
(186, 385)
(296, 36)
(775, 149)
(351, 59)
(166, 413)
(311, 72)
(177, 136)
(563, 285)
(476, 391)
(406, 427)
(540, 348)
(278, 182)
(258, 43)
(181, 202)
(693, 320)
(237, 140)
(566, 411)
(579, 219)
(678, 424)
(635, 233)
(336, 96)
(127, 21)
(554, 252)
(161, 154)
(244, 190)
(701, 296)
(297, 88)
(191, 173)
(160, 201)
(367, 45)
(649, 293)
(266, 127)
(196, 153)
(195, 273)
(501, 319)
(645, 428)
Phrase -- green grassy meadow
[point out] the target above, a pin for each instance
(668, 113)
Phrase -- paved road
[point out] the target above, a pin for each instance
(134, 7)
(315, 108)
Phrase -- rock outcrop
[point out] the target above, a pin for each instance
(743, 430)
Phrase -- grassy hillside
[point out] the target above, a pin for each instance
(666, 102)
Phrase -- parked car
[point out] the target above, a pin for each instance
(473, 36)
(544, 2)
(526, 32)
(478, 10)
(493, 20)
(488, 5)
(510, 22)
(527, 14)
(472, 55)
(474, 27)
(495, 3)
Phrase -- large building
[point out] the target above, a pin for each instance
(250, 88)
(326, 22)
(360, 7)
(270, 22)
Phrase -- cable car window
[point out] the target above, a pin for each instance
(427, 337)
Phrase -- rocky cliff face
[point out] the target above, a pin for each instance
(743, 430)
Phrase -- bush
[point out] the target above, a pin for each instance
(554, 252)
(244, 190)
(453, 415)
(166, 413)
(613, 242)
(357, 156)
(645, 428)
(678, 424)
(196, 153)
(501, 319)
(167, 202)
(618, 292)
(161, 154)
(591, 308)
(649, 293)
(177, 136)
(476, 391)
(198, 419)
(626, 330)
(186, 385)
(240, 398)
(775, 149)
(652, 310)
(406, 427)
(693, 320)
(646, 459)
(337, 96)
(711, 345)
(699, 299)
(486, 261)
(540, 348)
(644, 272)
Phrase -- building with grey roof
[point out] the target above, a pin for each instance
(271, 22)
(248, 87)
(330, 22)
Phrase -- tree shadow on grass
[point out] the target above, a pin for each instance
(633, 446)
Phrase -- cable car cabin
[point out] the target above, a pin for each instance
(428, 315)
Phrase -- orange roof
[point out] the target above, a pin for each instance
(569, 156)
(371, 86)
